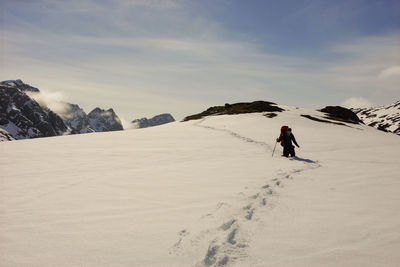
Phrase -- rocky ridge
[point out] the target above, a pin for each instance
(104, 120)
(155, 121)
(22, 117)
(385, 118)
(237, 108)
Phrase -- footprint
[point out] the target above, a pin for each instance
(227, 225)
(264, 201)
(223, 261)
(231, 237)
(181, 234)
(210, 257)
(255, 196)
(247, 207)
(249, 215)
(220, 205)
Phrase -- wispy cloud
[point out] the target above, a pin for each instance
(390, 72)
(357, 102)
(55, 101)
(150, 57)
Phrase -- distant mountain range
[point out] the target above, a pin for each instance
(384, 118)
(22, 117)
(155, 121)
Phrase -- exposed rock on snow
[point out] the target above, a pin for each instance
(321, 120)
(341, 114)
(20, 85)
(98, 120)
(22, 117)
(76, 119)
(238, 108)
(104, 120)
(384, 118)
(5, 136)
(155, 121)
(271, 115)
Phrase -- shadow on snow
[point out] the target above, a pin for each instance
(304, 160)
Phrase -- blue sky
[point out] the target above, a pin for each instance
(145, 57)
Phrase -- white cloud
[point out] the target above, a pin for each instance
(127, 125)
(391, 71)
(131, 63)
(152, 3)
(357, 102)
(54, 101)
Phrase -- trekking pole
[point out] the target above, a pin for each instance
(274, 149)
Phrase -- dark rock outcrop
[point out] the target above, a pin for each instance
(341, 114)
(321, 120)
(385, 118)
(22, 117)
(155, 121)
(76, 119)
(20, 85)
(238, 108)
(102, 120)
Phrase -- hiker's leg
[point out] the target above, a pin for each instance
(292, 152)
(286, 151)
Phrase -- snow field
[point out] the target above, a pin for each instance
(203, 193)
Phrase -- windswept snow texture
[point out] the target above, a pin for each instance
(203, 193)
(385, 118)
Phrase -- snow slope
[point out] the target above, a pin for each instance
(385, 118)
(203, 193)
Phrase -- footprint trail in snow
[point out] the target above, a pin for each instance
(224, 233)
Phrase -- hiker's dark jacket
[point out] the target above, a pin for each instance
(287, 140)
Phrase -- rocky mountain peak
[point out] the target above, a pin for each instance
(102, 120)
(22, 117)
(154, 121)
(19, 84)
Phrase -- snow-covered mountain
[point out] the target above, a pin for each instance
(206, 192)
(76, 119)
(98, 120)
(23, 117)
(155, 121)
(385, 118)
(104, 120)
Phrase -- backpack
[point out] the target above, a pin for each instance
(283, 131)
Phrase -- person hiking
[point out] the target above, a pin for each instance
(291, 138)
(286, 139)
